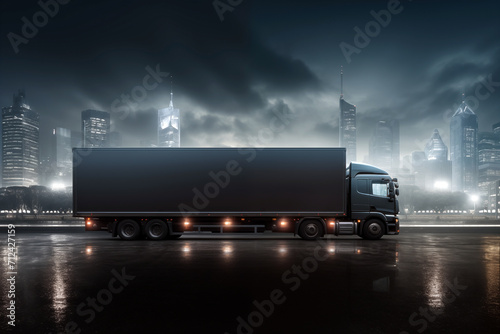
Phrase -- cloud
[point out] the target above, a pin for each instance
(229, 76)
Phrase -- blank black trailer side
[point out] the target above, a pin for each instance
(209, 181)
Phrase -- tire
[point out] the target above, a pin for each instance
(156, 229)
(129, 229)
(373, 229)
(310, 229)
(174, 237)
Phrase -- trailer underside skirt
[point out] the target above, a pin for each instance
(227, 227)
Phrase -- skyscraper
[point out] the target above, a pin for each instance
(169, 134)
(59, 171)
(20, 143)
(464, 149)
(437, 167)
(494, 198)
(61, 142)
(347, 123)
(384, 145)
(435, 149)
(489, 160)
(95, 128)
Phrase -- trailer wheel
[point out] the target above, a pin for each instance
(310, 230)
(373, 229)
(156, 229)
(129, 229)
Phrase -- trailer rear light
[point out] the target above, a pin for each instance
(227, 222)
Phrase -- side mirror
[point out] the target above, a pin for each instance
(397, 192)
(394, 179)
(391, 192)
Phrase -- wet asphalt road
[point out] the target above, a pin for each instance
(422, 281)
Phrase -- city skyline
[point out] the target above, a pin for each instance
(168, 119)
(231, 74)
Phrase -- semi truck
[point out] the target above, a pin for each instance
(164, 193)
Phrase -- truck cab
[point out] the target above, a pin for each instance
(373, 200)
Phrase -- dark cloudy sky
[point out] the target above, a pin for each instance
(231, 77)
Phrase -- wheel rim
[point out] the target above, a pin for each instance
(311, 230)
(156, 230)
(374, 228)
(129, 230)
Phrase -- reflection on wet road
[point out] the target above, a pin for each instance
(415, 282)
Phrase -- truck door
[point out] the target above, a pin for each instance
(371, 193)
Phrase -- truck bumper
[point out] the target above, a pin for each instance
(392, 225)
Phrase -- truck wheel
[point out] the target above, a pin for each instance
(373, 229)
(156, 229)
(310, 230)
(129, 229)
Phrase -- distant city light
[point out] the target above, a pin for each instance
(441, 185)
(57, 186)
